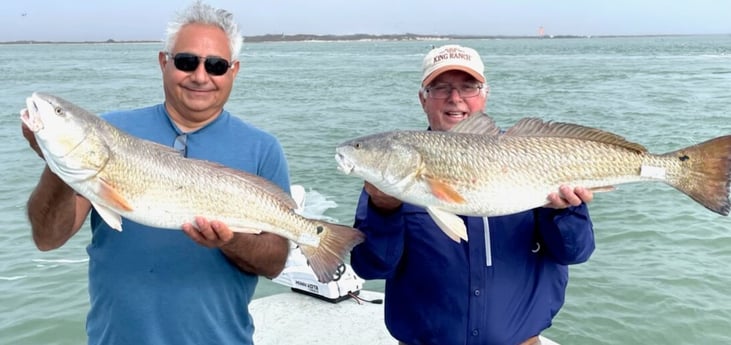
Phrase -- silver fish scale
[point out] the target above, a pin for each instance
(148, 175)
(505, 174)
(124, 176)
(474, 169)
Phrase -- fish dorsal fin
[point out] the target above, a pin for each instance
(163, 149)
(534, 127)
(261, 182)
(477, 123)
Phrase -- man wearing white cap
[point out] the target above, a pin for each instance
(507, 283)
(447, 69)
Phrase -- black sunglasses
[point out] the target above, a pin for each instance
(188, 62)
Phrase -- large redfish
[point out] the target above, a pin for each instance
(152, 184)
(476, 170)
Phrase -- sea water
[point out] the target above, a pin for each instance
(660, 273)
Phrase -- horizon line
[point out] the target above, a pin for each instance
(356, 37)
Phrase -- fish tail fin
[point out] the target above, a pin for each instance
(706, 177)
(335, 243)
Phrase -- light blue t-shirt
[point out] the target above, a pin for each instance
(157, 286)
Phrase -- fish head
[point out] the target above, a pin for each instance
(61, 130)
(56, 128)
(385, 160)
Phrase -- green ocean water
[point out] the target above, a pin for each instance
(660, 274)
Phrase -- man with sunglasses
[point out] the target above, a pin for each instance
(502, 287)
(156, 286)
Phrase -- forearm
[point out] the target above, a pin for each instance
(380, 253)
(264, 254)
(567, 233)
(51, 211)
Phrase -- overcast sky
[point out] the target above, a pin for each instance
(93, 20)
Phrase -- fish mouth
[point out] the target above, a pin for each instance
(30, 116)
(344, 164)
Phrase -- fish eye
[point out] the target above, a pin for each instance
(58, 111)
(358, 145)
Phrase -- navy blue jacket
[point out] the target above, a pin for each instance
(503, 286)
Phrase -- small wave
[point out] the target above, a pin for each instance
(12, 278)
(62, 261)
(315, 205)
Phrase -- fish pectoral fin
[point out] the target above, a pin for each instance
(450, 223)
(246, 230)
(602, 189)
(444, 192)
(113, 219)
(112, 197)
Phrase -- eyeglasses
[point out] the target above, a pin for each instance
(181, 144)
(188, 62)
(442, 91)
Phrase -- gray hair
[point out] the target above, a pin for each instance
(200, 13)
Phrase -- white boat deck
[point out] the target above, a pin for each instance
(294, 318)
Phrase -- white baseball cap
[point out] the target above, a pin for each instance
(452, 57)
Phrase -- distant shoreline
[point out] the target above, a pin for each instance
(362, 37)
